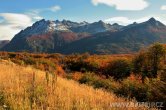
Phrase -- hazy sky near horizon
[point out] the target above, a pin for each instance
(16, 15)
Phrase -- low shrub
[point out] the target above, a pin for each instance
(156, 91)
(29, 61)
(86, 78)
(132, 89)
(118, 69)
(97, 81)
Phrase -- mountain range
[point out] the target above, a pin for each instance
(68, 37)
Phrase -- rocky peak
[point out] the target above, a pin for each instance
(152, 21)
(135, 23)
(115, 24)
(101, 22)
(69, 23)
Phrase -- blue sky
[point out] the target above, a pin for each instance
(16, 15)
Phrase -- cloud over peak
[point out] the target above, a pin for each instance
(15, 19)
(12, 23)
(128, 5)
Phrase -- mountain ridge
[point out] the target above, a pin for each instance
(96, 38)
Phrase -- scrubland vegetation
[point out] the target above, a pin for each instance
(140, 77)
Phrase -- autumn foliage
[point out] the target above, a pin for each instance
(140, 76)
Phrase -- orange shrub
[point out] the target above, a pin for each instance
(77, 76)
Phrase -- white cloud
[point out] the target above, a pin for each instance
(55, 8)
(16, 19)
(12, 23)
(37, 17)
(163, 7)
(125, 20)
(120, 20)
(34, 14)
(130, 5)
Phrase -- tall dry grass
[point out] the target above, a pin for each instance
(25, 88)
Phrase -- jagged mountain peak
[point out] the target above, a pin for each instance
(42, 20)
(84, 23)
(66, 21)
(44, 26)
(134, 23)
(47, 26)
(152, 21)
(115, 24)
(70, 24)
(57, 21)
(100, 22)
(93, 28)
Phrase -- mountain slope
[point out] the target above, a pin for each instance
(3, 43)
(48, 42)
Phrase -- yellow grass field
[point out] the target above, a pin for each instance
(25, 88)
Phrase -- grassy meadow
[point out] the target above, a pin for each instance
(26, 88)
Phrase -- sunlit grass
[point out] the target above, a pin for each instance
(25, 88)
